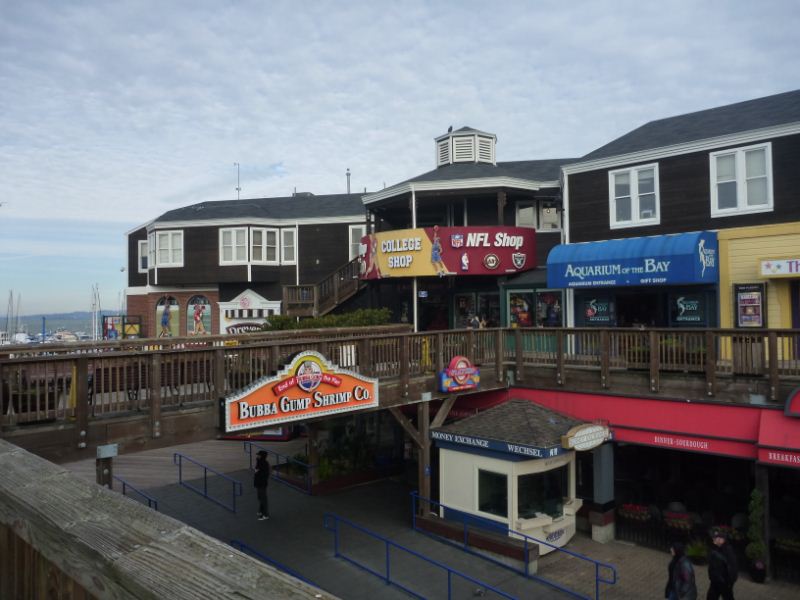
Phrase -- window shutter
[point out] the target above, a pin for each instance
(443, 153)
(463, 149)
(485, 150)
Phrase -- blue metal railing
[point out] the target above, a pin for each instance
(151, 502)
(281, 463)
(468, 521)
(236, 486)
(332, 523)
(242, 547)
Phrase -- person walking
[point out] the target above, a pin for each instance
(260, 482)
(722, 568)
(680, 581)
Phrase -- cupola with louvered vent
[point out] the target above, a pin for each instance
(465, 145)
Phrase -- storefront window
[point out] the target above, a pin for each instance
(520, 309)
(548, 309)
(543, 493)
(489, 310)
(597, 311)
(492, 493)
(687, 310)
(464, 310)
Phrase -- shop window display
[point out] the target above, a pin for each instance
(492, 493)
(543, 493)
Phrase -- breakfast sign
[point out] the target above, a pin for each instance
(309, 386)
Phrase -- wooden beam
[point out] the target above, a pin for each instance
(443, 411)
(407, 425)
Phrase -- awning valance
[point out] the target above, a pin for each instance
(683, 258)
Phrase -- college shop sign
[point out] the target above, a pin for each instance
(309, 386)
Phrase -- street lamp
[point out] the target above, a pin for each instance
(238, 187)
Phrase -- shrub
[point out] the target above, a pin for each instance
(363, 317)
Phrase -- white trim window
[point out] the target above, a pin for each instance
(355, 233)
(151, 250)
(741, 180)
(264, 246)
(549, 217)
(288, 246)
(526, 214)
(143, 256)
(233, 246)
(633, 197)
(169, 249)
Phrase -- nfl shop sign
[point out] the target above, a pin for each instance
(447, 251)
(309, 386)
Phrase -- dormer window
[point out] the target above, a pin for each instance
(465, 145)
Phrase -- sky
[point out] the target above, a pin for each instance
(112, 113)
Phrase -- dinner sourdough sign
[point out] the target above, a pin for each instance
(309, 386)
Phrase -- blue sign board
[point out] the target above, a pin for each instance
(480, 443)
(679, 259)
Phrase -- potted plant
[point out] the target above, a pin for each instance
(697, 552)
(756, 549)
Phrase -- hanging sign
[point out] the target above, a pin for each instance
(585, 437)
(309, 386)
(459, 375)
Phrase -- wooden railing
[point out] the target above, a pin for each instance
(314, 300)
(99, 382)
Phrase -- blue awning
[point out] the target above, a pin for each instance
(678, 259)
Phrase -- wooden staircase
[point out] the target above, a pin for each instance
(315, 300)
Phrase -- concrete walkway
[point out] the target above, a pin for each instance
(296, 537)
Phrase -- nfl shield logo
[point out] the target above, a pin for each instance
(518, 258)
(457, 240)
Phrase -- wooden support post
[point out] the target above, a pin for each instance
(407, 425)
(519, 375)
(499, 355)
(560, 374)
(439, 353)
(104, 472)
(424, 463)
(605, 355)
(471, 353)
(313, 453)
(762, 485)
(711, 363)
(404, 365)
(155, 395)
(81, 383)
(219, 372)
(315, 309)
(774, 383)
(501, 204)
(654, 361)
(364, 357)
(323, 349)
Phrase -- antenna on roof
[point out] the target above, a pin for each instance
(348, 180)
(238, 186)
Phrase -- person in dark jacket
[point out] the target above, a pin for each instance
(680, 583)
(722, 568)
(260, 482)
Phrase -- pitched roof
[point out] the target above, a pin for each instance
(770, 111)
(301, 206)
(517, 422)
(536, 170)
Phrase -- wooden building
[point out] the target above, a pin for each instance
(731, 172)
(220, 267)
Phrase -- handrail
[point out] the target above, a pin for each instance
(527, 540)
(242, 547)
(151, 502)
(177, 459)
(331, 522)
(276, 473)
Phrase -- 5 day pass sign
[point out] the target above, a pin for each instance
(309, 386)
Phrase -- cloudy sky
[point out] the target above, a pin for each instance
(112, 113)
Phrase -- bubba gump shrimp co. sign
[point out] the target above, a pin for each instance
(309, 386)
